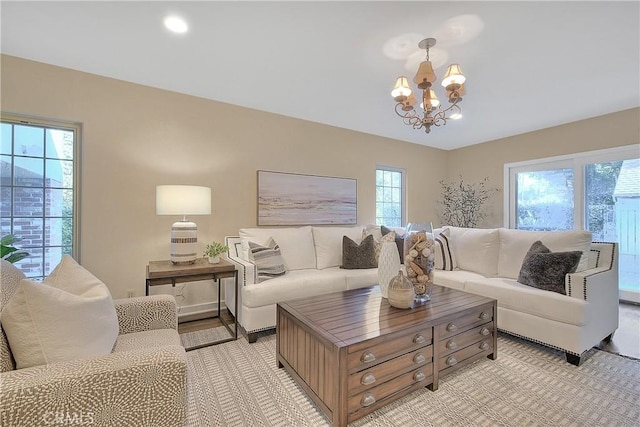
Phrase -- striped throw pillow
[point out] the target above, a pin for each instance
(268, 260)
(445, 258)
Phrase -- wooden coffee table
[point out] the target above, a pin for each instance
(353, 353)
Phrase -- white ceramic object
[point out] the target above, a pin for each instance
(388, 266)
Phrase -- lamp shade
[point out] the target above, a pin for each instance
(401, 90)
(453, 76)
(425, 74)
(183, 200)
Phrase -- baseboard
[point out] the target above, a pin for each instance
(188, 313)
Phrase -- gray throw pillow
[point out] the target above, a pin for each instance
(546, 270)
(268, 260)
(357, 256)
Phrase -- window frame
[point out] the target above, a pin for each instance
(577, 162)
(76, 128)
(403, 186)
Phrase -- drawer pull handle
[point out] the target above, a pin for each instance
(484, 315)
(451, 345)
(452, 361)
(419, 339)
(368, 357)
(451, 327)
(419, 376)
(368, 379)
(485, 331)
(419, 358)
(484, 345)
(367, 400)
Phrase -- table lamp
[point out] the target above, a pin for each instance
(183, 200)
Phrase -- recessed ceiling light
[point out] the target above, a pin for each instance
(176, 24)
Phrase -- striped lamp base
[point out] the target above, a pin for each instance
(184, 242)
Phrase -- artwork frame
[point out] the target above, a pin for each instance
(288, 199)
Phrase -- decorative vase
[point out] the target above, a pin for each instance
(400, 291)
(214, 259)
(419, 260)
(388, 265)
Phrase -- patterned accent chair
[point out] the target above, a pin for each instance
(141, 383)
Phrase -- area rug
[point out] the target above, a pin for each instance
(239, 384)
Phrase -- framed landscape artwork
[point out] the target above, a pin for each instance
(294, 199)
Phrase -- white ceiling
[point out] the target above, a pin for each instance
(529, 65)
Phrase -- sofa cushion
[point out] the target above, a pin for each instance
(546, 270)
(362, 255)
(514, 245)
(516, 296)
(293, 285)
(444, 257)
(328, 244)
(455, 279)
(360, 278)
(476, 249)
(296, 244)
(69, 316)
(267, 259)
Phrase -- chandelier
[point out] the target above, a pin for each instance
(432, 112)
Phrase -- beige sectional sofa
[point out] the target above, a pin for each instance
(488, 263)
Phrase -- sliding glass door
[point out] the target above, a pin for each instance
(597, 191)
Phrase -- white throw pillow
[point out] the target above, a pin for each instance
(476, 249)
(296, 244)
(70, 315)
(328, 244)
(514, 245)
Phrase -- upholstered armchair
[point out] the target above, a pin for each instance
(141, 383)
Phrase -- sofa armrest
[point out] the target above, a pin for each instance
(140, 387)
(146, 313)
(599, 283)
(246, 269)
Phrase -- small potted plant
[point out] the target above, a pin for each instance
(213, 251)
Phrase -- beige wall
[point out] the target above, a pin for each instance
(488, 159)
(136, 137)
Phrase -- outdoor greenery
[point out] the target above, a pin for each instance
(215, 248)
(463, 204)
(10, 253)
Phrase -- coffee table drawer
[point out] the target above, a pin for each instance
(450, 361)
(390, 369)
(384, 350)
(373, 395)
(456, 342)
(465, 322)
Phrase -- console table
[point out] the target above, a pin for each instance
(167, 273)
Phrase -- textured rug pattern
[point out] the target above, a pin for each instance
(239, 384)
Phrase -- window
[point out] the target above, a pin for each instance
(39, 191)
(389, 196)
(597, 191)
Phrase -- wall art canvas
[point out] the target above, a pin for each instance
(295, 199)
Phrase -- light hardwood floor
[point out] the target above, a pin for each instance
(626, 340)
